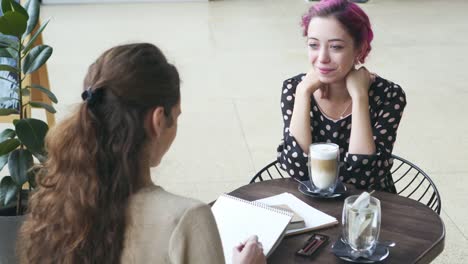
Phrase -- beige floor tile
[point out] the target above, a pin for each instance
(77, 42)
(408, 15)
(455, 245)
(204, 191)
(441, 72)
(262, 125)
(234, 75)
(207, 148)
(454, 199)
(432, 133)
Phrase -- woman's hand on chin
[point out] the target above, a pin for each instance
(358, 83)
(310, 83)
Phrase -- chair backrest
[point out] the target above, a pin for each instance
(410, 181)
(269, 172)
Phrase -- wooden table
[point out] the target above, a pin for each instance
(418, 231)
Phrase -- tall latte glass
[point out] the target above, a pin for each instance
(323, 167)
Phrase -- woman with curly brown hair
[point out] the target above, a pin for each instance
(96, 202)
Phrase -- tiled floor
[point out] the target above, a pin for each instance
(234, 55)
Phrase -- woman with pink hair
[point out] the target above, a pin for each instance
(340, 101)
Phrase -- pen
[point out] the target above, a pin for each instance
(310, 245)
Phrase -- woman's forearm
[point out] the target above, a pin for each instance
(300, 120)
(361, 140)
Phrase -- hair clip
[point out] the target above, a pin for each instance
(87, 94)
(91, 96)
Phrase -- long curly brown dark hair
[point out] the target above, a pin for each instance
(95, 158)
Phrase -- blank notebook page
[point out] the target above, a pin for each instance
(238, 219)
(313, 218)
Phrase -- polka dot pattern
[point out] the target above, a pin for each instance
(386, 104)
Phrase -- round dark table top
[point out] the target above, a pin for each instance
(418, 231)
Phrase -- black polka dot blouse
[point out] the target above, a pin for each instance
(386, 104)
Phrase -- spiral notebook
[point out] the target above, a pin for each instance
(238, 219)
(314, 219)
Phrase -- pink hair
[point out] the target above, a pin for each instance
(350, 15)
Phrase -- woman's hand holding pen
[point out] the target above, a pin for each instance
(249, 252)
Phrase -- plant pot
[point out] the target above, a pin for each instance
(9, 226)
(8, 211)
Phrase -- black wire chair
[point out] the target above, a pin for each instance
(410, 181)
(269, 172)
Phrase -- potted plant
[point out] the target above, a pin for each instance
(22, 145)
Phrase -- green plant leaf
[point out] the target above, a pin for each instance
(7, 53)
(34, 37)
(47, 107)
(9, 68)
(19, 163)
(3, 161)
(6, 134)
(13, 23)
(36, 58)
(9, 111)
(32, 7)
(8, 41)
(8, 146)
(32, 132)
(6, 6)
(8, 190)
(11, 5)
(46, 91)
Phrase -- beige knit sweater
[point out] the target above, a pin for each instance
(167, 228)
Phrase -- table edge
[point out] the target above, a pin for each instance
(437, 248)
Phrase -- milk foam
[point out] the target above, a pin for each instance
(323, 151)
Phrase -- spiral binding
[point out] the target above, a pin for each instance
(261, 205)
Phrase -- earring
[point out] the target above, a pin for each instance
(356, 61)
